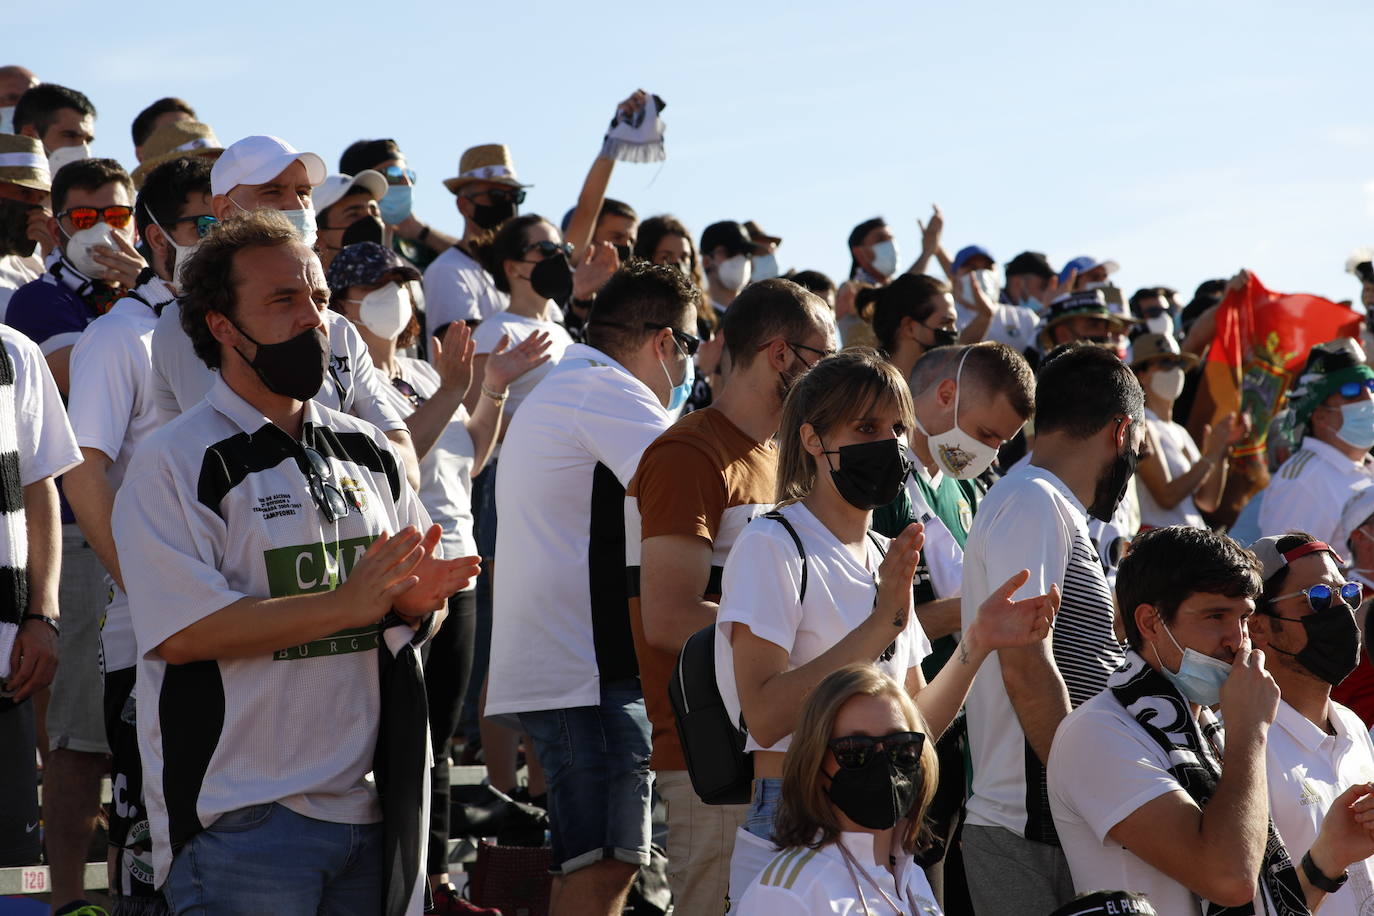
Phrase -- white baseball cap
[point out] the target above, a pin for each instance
(259, 159)
(336, 186)
(1357, 510)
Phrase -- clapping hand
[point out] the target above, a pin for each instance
(1002, 623)
(930, 232)
(436, 579)
(453, 361)
(505, 366)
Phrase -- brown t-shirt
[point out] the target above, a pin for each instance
(704, 477)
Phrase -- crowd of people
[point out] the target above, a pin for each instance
(869, 583)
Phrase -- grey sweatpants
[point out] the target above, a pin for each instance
(1009, 875)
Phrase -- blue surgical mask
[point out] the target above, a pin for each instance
(1357, 424)
(1199, 677)
(396, 204)
(885, 258)
(683, 390)
(1034, 304)
(303, 221)
(765, 267)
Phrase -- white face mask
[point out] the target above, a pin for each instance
(181, 253)
(79, 246)
(987, 282)
(7, 119)
(1167, 383)
(386, 311)
(764, 267)
(1160, 324)
(956, 452)
(66, 154)
(885, 258)
(734, 273)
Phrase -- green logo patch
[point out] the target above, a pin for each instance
(320, 567)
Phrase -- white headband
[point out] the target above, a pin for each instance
(489, 171)
(24, 161)
(197, 143)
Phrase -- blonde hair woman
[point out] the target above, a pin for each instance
(810, 588)
(856, 783)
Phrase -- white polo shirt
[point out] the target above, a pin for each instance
(215, 508)
(1031, 520)
(560, 622)
(760, 589)
(351, 384)
(1307, 769)
(457, 288)
(1103, 767)
(112, 410)
(801, 880)
(1309, 490)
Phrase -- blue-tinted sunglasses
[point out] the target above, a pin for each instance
(1319, 596)
(203, 223)
(1356, 388)
(397, 175)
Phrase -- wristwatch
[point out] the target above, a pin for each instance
(50, 621)
(1318, 880)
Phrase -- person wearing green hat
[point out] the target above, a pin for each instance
(1333, 404)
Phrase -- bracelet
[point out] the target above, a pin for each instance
(422, 234)
(499, 398)
(50, 621)
(1317, 879)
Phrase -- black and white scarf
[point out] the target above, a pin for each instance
(1191, 745)
(14, 540)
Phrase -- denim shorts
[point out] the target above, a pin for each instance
(596, 763)
(759, 820)
(269, 859)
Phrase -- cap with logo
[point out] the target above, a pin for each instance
(489, 162)
(1088, 303)
(364, 264)
(1148, 347)
(968, 252)
(22, 162)
(257, 160)
(1030, 262)
(729, 235)
(336, 187)
(1084, 263)
(173, 141)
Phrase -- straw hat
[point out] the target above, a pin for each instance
(22, 162)
(1148, 347)
(489, 162)
(172, 141)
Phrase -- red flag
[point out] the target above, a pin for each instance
(1261, 344)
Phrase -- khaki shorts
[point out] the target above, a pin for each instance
(76, 712)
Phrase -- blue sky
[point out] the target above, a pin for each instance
(1182, 139)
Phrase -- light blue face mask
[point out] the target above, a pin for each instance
(1357, 424)
(1199, 677)
(683, 391)
(303, 221)
(765, 267)
(396, 204)
(1034, 304)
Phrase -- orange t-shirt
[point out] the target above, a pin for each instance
(705, 478)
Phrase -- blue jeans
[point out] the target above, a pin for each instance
(759, 819)
(596, 763)
(269, 859)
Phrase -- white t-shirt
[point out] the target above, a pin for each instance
(1103, 767)
(351, 384)
(457, 288)
(1309, 490)
(46, 446)
(216, 508)
(1307, 769)
(561, 622)
(760, 589)
(112, 410)
(518, 327)
(1031, 520)
(1179, 453)
(1013, 325)
(15, 271)
(801, 880)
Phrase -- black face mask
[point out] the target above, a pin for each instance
(366, 229)
(489, 216)
(552, 278)
(293, 368)
(1333, 644)
(1111, 486)
(870, 474)
(943, 337)
(624, 251)
(875, 795)
(14, 228)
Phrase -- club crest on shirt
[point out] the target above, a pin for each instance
(965, 514)
(355, 492)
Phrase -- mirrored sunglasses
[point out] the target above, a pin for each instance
(1320, 596)
(85, 217)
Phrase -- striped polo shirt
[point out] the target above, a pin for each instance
(215, 508)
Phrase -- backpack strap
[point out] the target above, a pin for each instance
(781, 519)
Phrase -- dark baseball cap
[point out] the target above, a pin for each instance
(729, 235)
(1030, 262)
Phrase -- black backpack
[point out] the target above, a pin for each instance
(721, 771)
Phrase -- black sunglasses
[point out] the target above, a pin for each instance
(549, 249)
(820, 354)
(1320, 596)
(498, 196)
(411, 395)
(690, 343)
(204, 223)
(855, 751)
(328, 498)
